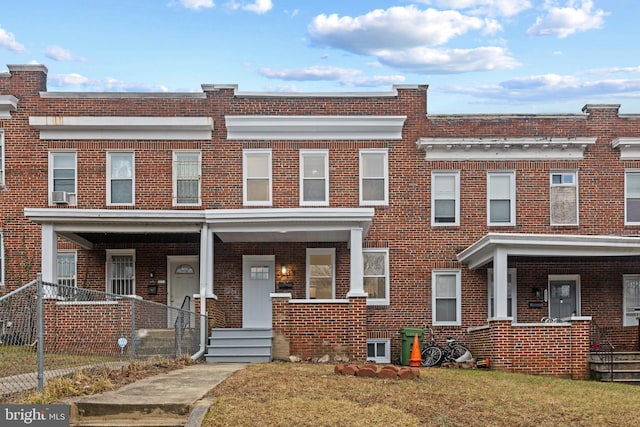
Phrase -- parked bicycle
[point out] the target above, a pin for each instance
(434, 354)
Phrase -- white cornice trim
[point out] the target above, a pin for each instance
(314, 127)
(629, 147)
(8, 103)
(505, 148)
(123, 128)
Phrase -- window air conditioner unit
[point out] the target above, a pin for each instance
(60, 197)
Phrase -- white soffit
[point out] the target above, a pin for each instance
(314, 127)
(8, 103)
(505, 148)
(123, 128)
(629, 147)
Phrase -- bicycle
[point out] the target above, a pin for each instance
(433, 354)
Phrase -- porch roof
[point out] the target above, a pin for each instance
(565, 245)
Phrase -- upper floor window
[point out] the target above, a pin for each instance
(186, 177)
(376, 276)
(374, 181)
(120, 178)
(501, 198)
(121, 278)
(1, 157)
(632, 197)
(62, 177)
(321, 279)
(446, 295)
(563, 196)
(445, 198)
(314, 177)
(256, 171)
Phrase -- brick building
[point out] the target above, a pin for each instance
(331, 220)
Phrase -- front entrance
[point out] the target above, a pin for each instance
(564, 296)
(258, 282)
(184, 281)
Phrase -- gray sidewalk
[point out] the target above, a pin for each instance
(173, 398)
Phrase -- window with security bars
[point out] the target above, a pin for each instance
(121, 270)
(186, 177)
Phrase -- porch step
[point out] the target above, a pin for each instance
(621, 367)
(248, 345)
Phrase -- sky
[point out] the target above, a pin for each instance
(477, 56)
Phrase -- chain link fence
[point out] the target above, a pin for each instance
(49, 330)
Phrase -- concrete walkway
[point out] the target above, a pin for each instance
(173, 398)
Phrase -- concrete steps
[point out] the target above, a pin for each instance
(239, 345)
(620, 367)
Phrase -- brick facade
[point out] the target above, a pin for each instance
(402, 226)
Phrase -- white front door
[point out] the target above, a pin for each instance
(184, 281)
(258, 282)
(564, 298)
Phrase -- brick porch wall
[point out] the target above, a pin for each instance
(312, 329)
(554, 350)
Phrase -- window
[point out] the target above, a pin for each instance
(563, 196)
(186, 177)
(120, 179)
(1, 157)
(374, 172)
(501, 196)
(376, 276)
(446, 307)
(121, 278)
(320, 273)
(256, 169)
(631, 284)
(1, 259)
(445, 198)
(511, 292)
(314, 177)
(632, 197)
(378, 350)
(63, 174)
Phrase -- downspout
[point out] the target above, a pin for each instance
(204, 267)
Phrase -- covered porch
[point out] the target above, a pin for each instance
(550, 297)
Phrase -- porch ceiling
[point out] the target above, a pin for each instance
(548, 245)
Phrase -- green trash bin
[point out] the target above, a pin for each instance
(407, 335)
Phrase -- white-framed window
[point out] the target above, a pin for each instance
(1, 158)
(501, 198)
(379, 350)
(631, 298)
(63, 174)
(121, 268)
(632, 197)
(120, 178)
(376, 276)
(314, 177)
(256, 172)
(446, 294)
(511, 292)
(186, 177)
(445, 198)
(374, 177)
(563, 195)
(1, 258)
(321, 280)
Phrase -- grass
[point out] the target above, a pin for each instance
(285, 394)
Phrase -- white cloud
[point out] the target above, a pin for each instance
(344, 76)
(258, 6)
(393, 28)
(441, 61)
(485, 7)
(107, 84)
(565, 21)
(58, 53)
(8, 41)
(197, 4)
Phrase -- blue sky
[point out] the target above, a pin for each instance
(477, 56)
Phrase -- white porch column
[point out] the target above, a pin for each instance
(357, 265)
(49, 254)
(500, 283)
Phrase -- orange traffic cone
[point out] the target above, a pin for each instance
(415, 352)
